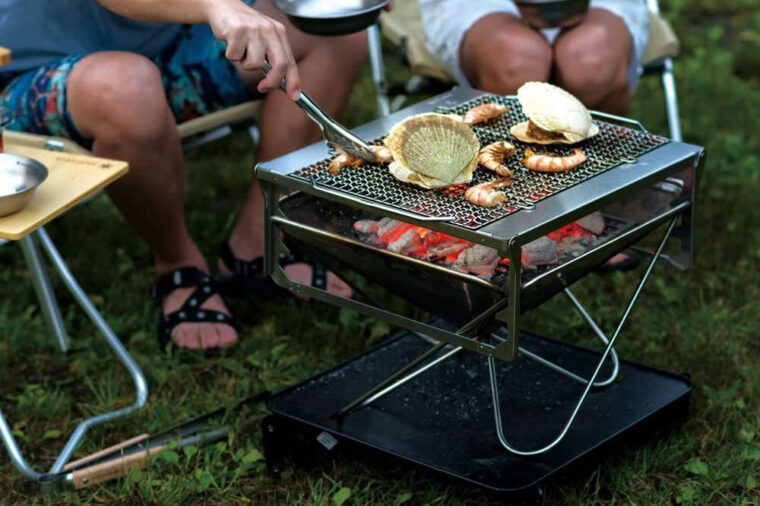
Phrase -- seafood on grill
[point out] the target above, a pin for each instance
(342, 160)
(433, 150)
(493, 155)
(484, 112)
(554, 116)
(382, 153)
(488, 194)
(550, 162)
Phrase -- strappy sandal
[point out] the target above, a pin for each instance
(248, 275)
(190, 311)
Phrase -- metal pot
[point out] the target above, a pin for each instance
(331, 17)
(19, 177)
(552, 13)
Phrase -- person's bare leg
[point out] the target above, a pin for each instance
(329, 67)
(117, 99)
(499, 53)
(592, 61)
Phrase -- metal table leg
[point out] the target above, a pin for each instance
(138, 378)
(45, 293)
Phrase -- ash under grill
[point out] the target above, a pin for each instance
(612, 146)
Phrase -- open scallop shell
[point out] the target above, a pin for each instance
(555, 110)
(409, 176)
(520, 131)
(438, 148)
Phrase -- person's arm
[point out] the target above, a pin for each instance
(250, 36)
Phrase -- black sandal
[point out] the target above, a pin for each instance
(190, 311)
(248, 275)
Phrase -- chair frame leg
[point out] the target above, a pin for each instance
(671, 100)
(105, 331)
(378, 69)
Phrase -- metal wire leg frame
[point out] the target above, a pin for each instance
(46, 297)
(590, 383)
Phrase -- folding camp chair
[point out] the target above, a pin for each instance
(403, 27)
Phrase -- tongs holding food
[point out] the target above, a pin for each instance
(335, 134)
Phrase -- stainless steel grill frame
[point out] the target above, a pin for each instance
(677, 163)
(613, 145)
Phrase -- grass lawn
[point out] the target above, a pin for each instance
(703, 321)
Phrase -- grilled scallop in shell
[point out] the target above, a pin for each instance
(433, 150)
(555, 116)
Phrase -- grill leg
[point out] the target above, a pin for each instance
(590, 383)
(410, 370)
(602, 337)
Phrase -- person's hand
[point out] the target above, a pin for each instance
(251, 37)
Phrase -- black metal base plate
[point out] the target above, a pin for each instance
(443, 419)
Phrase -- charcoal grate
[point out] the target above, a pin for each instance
(609, 148)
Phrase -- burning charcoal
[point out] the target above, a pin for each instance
(480, 260)
(444, 249)
(366, 226)
(594, 222)
(387, 225)
(408, 243)
(542, 251)
(572, 245)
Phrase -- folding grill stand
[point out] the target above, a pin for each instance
(293, 423)
(53, 318)
(416, 367)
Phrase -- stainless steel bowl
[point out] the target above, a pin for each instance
(552, 13)
(19, 177)
(331, 17)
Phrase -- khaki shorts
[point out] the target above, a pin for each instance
(447, 21)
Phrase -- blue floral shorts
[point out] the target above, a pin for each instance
(197, 79)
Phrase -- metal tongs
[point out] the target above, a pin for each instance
(335, 134)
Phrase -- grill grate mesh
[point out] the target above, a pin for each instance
(372, 182)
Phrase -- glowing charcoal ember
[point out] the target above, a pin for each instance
(447, 250)
(366, 226)
(409, 242)
(479, 260)
(542, 251)
(594, 223)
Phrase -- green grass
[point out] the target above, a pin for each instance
(703, 321)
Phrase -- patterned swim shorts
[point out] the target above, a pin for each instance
(197, 79)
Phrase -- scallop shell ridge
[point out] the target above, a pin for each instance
(434, 145)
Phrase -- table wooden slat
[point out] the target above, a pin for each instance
(72, 178)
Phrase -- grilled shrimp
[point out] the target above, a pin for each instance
(492, 156)
(488, 194)
(484, 112)
(382, 153)
(342, 160)
(552, 163)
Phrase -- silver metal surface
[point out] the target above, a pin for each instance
(378, 69)
(671, 99)
(334, 133)
(45, 295)
(611, 147)
(138, 378)
(327, 9)
(141, 386)
(19, 177)
(552, 13)
(495, 384)
(549, 214)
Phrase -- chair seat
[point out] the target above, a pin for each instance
(402, 26)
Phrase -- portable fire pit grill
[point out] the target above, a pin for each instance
(410, 407)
